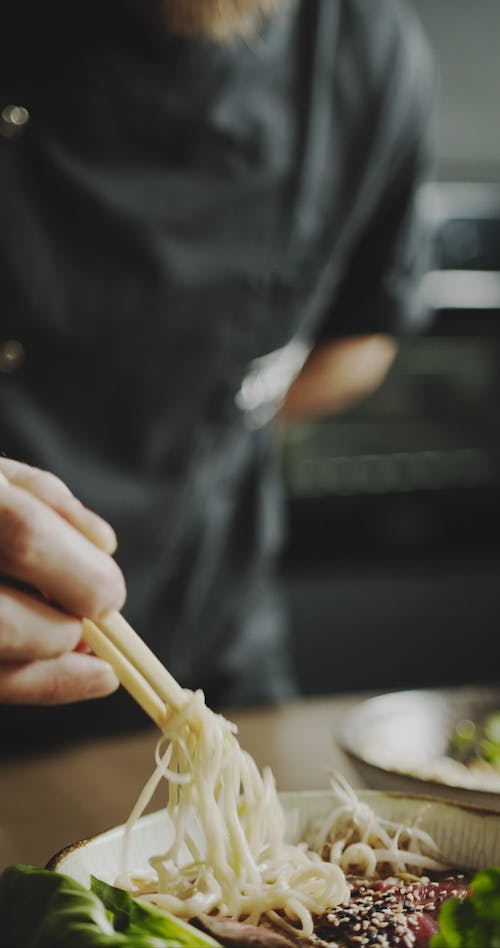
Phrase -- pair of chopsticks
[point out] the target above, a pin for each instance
(137, 668)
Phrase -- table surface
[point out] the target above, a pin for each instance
(52, 798)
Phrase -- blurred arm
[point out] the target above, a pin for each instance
(337, 374)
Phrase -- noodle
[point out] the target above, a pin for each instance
(228, 853)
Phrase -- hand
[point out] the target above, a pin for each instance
(58, 554)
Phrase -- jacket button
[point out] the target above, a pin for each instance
(12, 354)
(13, 119)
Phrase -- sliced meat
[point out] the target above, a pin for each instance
(233, 934)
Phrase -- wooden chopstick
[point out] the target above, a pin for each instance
(127, 641)
(137, 668)
(127, 674)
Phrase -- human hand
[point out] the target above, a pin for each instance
(59, 555)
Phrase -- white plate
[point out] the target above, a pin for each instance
(397, 742)
(468, 837)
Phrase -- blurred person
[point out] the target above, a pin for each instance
(210, 220)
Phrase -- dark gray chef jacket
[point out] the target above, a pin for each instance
(181, 220)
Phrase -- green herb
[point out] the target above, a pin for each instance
(43, 909)
(491, 740)
(472, 742)
(474, 922)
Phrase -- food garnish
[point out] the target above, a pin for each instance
(476, 743)
(475, 922)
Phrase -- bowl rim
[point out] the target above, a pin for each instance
(365, 793)
(61, 854)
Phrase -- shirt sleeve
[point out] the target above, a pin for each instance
(380, 290)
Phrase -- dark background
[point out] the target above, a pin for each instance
(392, 569)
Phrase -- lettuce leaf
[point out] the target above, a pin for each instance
(43, 909)
(475, 922)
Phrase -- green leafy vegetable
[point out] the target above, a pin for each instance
(475, 922)
(43, 909)
(133, 917)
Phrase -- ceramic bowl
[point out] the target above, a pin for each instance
(398, 741)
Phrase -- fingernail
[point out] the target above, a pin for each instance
(100, 532)
(108, 537)
(116, 589)
(103, 680)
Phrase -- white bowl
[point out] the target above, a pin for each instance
(398, 742)
(468, 837)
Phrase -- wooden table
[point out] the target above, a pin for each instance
(50, 799)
